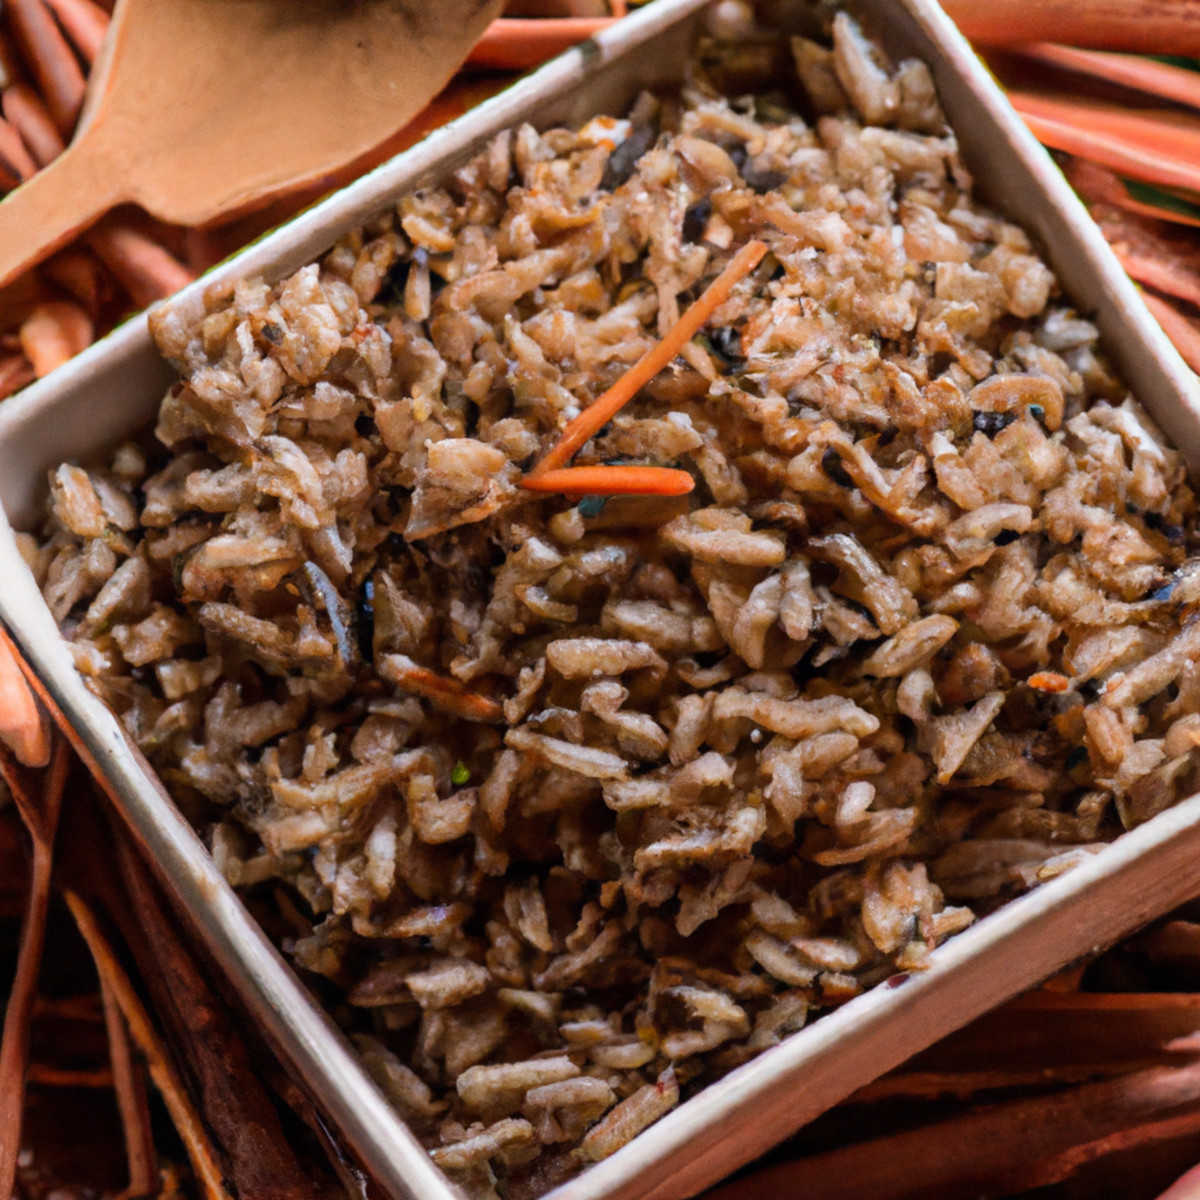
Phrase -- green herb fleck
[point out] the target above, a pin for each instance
(1168, 201)
(460, 774)
(1177, 60)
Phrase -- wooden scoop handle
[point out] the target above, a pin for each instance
(54, 206)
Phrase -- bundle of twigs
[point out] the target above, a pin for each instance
(145, 1035)
(47, 48)
(129, 260)
(1091, 1085)
(1126, 130)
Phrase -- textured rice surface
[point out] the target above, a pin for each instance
(568, 807)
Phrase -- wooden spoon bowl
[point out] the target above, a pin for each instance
(203, 109)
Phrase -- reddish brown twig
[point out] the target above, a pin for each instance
(1049, 1037)
(129, 1083)
(85, 23)
(186, 1119)
(53, 333)
(996, 1149)
(40, 817)
(1142, 74)
(1142, 26)
(260, 1162)
(1098, 185)
(66, 1077)
(52, 61)
(15, 164)
(1168, 134)
(79, 274)
(24, 110)
(146, 270)
(1116, 152)
(15, 372)
(1183, 331)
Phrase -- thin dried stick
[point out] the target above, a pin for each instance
(22, 724)
(995, 1149)
(15, 164)
(602, 410)
(1182, 331)
(52, 61)
(611, 481)
(78, 273)
(63, 1077)
(41, 819)
(1142, 74)
(1164, 275)
(517, 43)
(84, 23)
(260, 1161)
(1098, 185)
(145, 269)
(85, 1008)
(27, 114)
(1115, 153)
(183, 1114)
(53, 333)
(1143, 26)
(1044, 1037)
(129, 1083)
(1169, 134)
(15, 372)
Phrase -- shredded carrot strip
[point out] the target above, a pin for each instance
(611, 481)
(1049, 681)
(601, 411)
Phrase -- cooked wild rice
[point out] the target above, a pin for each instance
(569, 808)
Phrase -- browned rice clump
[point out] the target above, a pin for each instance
(573, 807)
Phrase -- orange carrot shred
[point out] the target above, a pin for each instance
(611, 481)
(1049, 681)
(602, 410)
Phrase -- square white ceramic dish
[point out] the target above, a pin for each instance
(114, 388)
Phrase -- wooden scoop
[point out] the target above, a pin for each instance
(203, 109)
